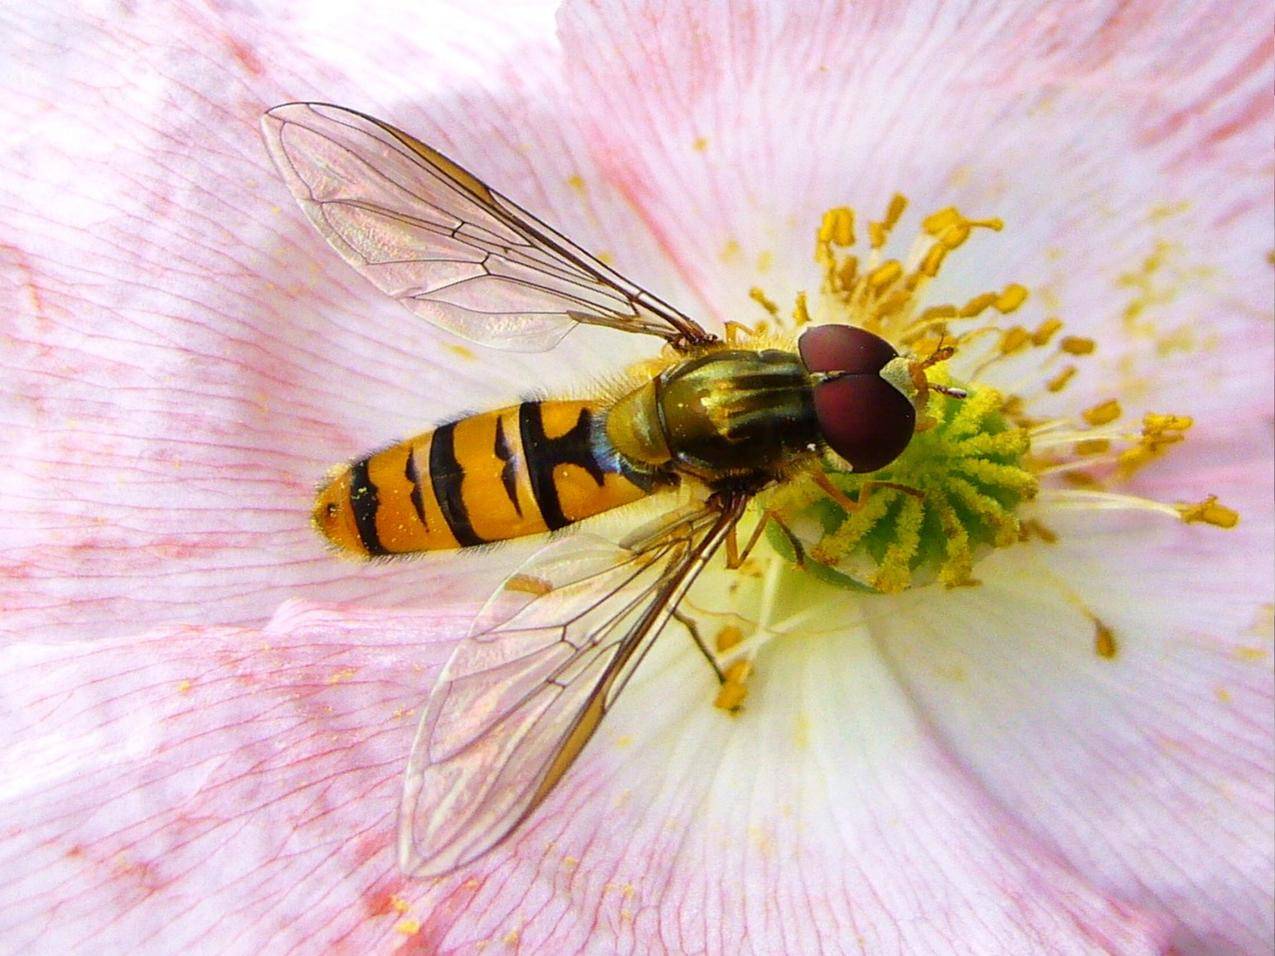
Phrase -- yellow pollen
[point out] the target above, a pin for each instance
(977, 305)
(1075, 345)
(1102, 414)
(529, 584)
(1059, 381)
(1209, 511)
(1045, 331)
(728, 637)
(760, 297)
(1011, 298)
(1104, 642)
(885, 275)
(731, 695)
(1155, 424)
(800, 311)
(837, 227)
(1014, 339)
(879, 232)
(1032, 527)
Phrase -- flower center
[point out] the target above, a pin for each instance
(977, 455)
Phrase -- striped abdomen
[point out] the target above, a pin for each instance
(520, 470)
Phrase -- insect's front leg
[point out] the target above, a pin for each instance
(851, 505)
(735, 558)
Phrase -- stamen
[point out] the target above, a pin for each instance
(1103, 413)
(1209, 511)
(1075, 345)
(976, 454)
(760, 297)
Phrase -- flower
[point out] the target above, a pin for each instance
(206, 716)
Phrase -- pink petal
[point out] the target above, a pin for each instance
(232, 790)
(1084, 128)
(187, 359)
(199, 780)
(1098, 132)
(1151, 772)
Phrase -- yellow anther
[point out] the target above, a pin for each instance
(1076, 345)
(885, 275)
(936, 223)
(892, 304)
(1154, 424)
(977, 304)
(893, 212)
(937, 312)
(728, 637)
(837, 227)
(1011, 298)
(1104, 641)
(879, 232)
(1033, 528)
(953, 237)
(1103, 413)
(800, 311)
(1209, 511)
(1080, 479)
(848, 273)
(1093, 446)
(730, 696)
(1045, 331)
(1131, 459)
(1059, 381)
(1014, 339)
(760, 297)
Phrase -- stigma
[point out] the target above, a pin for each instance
(981, 471)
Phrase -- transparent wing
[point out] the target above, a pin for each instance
(524, 692)
(447, 246)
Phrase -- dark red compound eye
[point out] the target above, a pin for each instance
(863, 418)
(844, 348)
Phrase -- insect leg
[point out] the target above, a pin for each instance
(693, 630)
(735, 558)
(851, 505)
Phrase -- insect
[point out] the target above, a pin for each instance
(553, 648)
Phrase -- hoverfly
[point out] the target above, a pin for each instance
(549, 653)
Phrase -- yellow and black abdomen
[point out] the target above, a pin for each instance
(502, 474)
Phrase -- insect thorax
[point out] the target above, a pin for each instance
(729, 414)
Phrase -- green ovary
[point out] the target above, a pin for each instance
(951, 495)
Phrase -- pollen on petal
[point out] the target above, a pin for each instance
(1104, 641)
(731, 695)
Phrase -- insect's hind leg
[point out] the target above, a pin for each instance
(693, 629)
